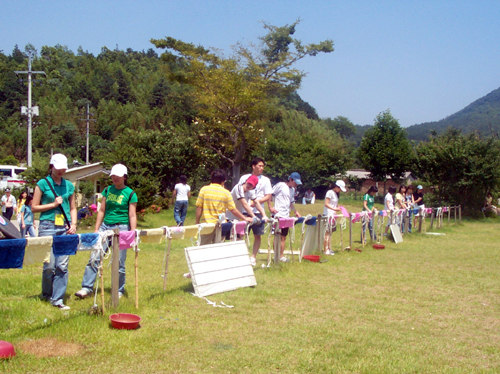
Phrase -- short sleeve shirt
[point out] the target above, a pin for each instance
(65, 190)
(239, 194)
(370, 201)
(283, 199)
(117, 204)
(182, 191)
(28, 215)
(334, 201)
(263, 187)
(214, 200)
(388, 202)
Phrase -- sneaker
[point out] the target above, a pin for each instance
(61, 306)
(284, 259)
(83, 293)
(187, 275)
(329, 253)
(120, 294)
(253, 261)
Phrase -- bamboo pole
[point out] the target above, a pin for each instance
(166, 264)
(101, 275)
(136, 278)
(350, 229)
(115, 258)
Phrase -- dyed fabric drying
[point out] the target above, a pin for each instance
(89, 242)
(286, 223)
(12, 253)
(127, 239)
(153, 236)
(37, 250)
(64, 245)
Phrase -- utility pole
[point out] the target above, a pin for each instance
(29, 111)
(88, 121)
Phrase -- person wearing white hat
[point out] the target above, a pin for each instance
(9, 205)
(118, 210)
(54, 200)
(330, 210)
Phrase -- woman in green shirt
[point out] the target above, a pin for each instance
(54, 211)
(118, 210)
(368, 206)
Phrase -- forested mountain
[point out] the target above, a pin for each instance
(482, 116)
(125, 89)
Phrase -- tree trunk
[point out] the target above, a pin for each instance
(236, 173)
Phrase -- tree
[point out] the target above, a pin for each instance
(460, 168)
(296, 143)
(234, 95)
(342, 125)
(384, 150)
(156, 158)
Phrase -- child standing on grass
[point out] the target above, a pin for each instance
(389, 206)
(27, 218)
(284, 194)
(330, 210)
(369, 206)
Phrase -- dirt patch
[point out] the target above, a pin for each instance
(50, 348)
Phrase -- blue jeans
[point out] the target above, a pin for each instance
(55, 272)
(180, 211)
(90, 274)
(28, 229)
(370, 229)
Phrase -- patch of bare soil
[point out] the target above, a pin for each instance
(49, 347)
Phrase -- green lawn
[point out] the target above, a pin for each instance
(427, 305)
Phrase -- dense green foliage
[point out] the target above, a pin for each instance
(460, 168)
(192, 109)
(385, 150)
(295, 143)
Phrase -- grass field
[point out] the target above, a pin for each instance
(428, 305)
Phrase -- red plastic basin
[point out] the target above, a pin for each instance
(378, 246)
(125, 321)
(312, 258)
(6, 350)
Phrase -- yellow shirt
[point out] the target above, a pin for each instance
(214, 200)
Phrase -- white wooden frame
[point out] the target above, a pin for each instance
(220, 267)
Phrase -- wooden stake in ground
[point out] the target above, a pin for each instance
(101, 275)
(136, 277)
(115, 258)
(166, 265)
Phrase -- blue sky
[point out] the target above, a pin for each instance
(423, 60)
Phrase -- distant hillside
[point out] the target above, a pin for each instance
(478, 116)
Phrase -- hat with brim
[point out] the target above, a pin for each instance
(296, 178)
(118, 170)
(341, 184)
(59, 161)
(253, 180)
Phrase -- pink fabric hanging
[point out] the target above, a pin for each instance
(240, 227)
(127, 239)
(344, 211)
(286, 223)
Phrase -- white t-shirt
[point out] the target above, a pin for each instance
(263, 187)
(11, 203)
(182, 191)
(388, 202)
(238, 195)
(283, 199)
(334, 201)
